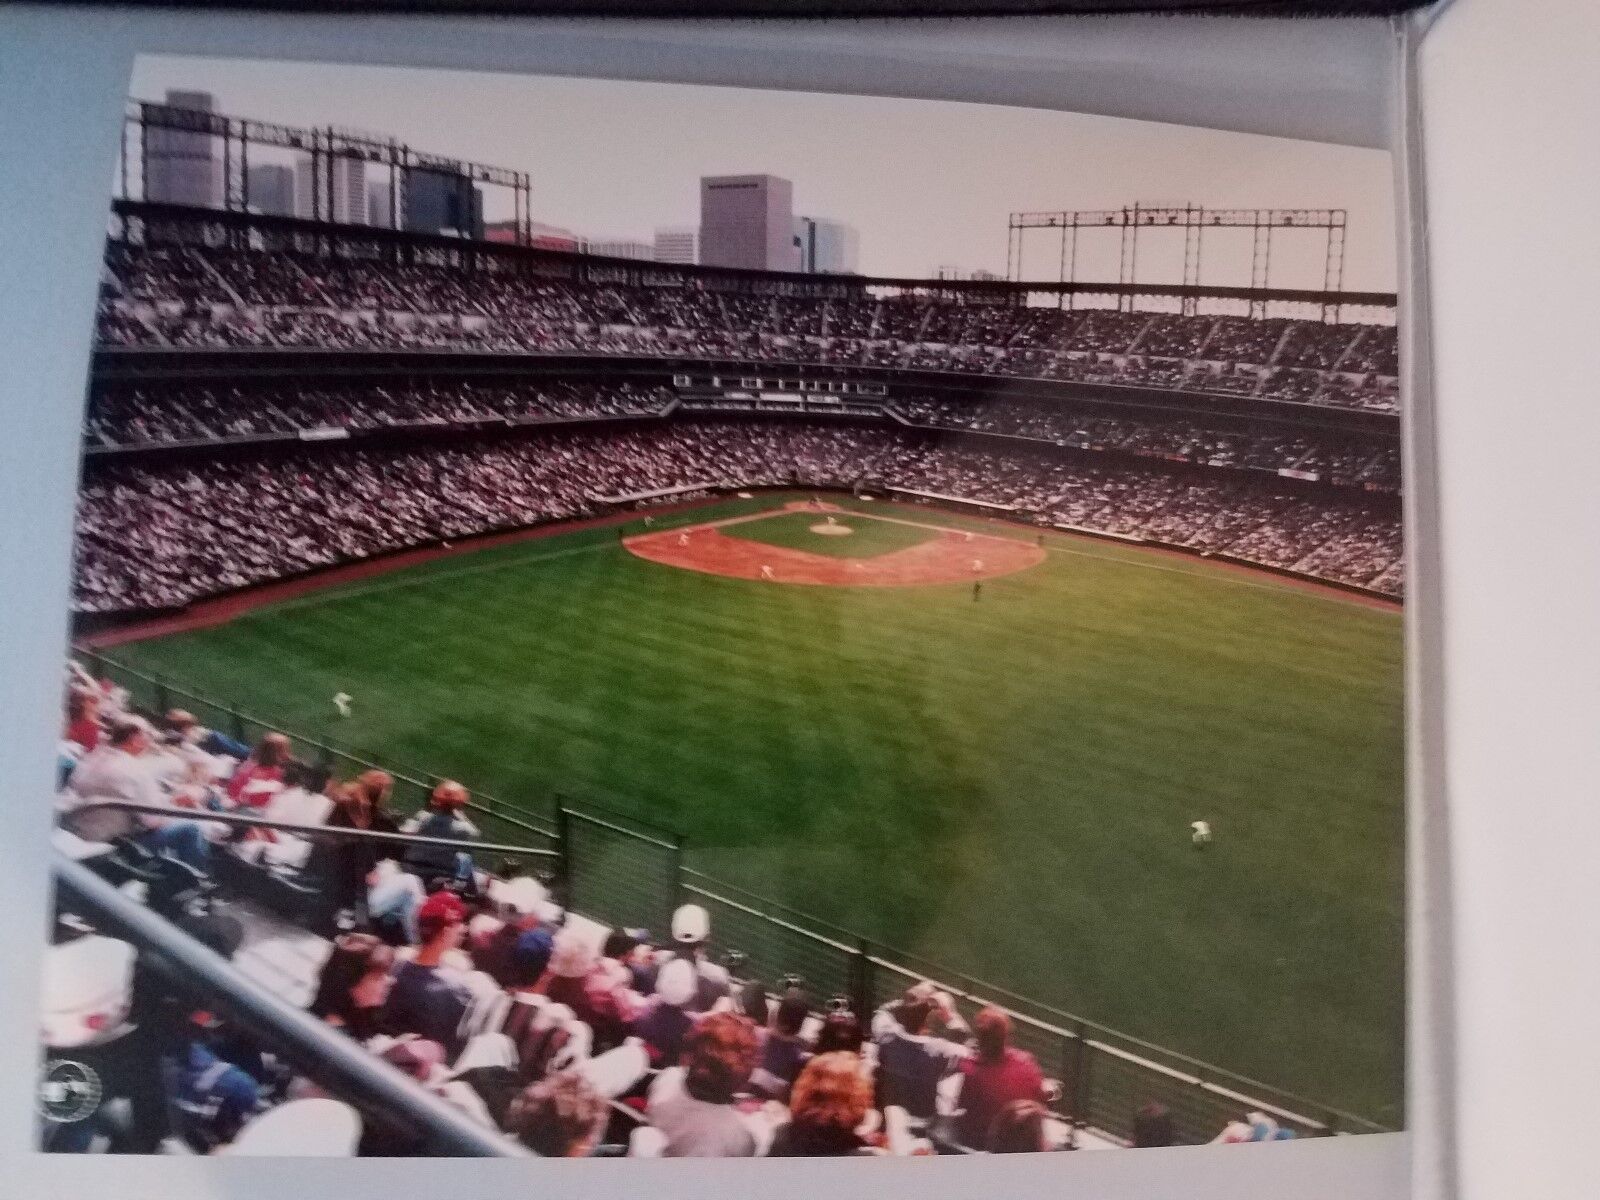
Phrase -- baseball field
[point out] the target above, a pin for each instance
(986, 750)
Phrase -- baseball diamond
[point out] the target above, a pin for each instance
(1006, 787)
(939, 555)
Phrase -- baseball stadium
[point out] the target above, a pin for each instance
(1027, 652)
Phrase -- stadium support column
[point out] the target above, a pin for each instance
(861, 980)
(1260, 263)
(563, 850)
(1333, 268)
(122, 161)
(1069, 259)
(1075, 1076)
(1128, 270)
(1192, 227)
(144, 155)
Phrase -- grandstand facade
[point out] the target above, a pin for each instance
(231, 343)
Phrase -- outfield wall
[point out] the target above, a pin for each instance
(103, 630)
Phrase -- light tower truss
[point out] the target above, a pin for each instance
(1193, 220)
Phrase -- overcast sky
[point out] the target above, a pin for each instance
(924, 182)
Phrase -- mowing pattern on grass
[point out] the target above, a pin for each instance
(1003, 786)
(868, 537)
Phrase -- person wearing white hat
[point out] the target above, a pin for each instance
(691, 931)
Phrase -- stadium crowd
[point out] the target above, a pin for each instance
(158, 535)
(1345, 460)
(192, 296)
(573, 1038)
(143, 415)
(167, 414)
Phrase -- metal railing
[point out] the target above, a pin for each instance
(334, 1061)
(622, 871)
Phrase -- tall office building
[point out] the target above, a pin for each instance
(379, 204)
(346, 178)
(183, 166)
(747, 221)
(679, 244)
(826, 247)
(271, 189)
(439, 203)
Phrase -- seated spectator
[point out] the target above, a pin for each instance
(1019, 1128)
(559, 1117)
(997, 1074)
(1153, 1126)
(566, 978)
(260, 777)
(193, 733)
(751, 1001)
(516, 953)
(394, 901)
(303, 801)
(426, 1000)
(211, 1097)
(665, 1023)
(117, 770)
(631, 948)
(443, 818)
(785, 1050)
(354, 984)
(691, 930)
(696, 1115)
(83, 718)
(1256, 1127)
(840, 1031)
(911, 1061)
(345, 866)
(831, 1100)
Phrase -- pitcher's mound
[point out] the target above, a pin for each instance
(832, 529)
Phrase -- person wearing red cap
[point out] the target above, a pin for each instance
(425, 999)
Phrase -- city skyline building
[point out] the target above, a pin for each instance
(618, 247)
(826, 246)
(344, 178)
(433, 202)
(747, 221)
(271, 189)
(181, 166)
(379, 204)
(678, 244)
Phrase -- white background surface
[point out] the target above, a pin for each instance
(1511, 103)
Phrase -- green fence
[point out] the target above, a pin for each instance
(621, 871)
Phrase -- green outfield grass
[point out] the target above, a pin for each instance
(867, 538)
(1003, 786)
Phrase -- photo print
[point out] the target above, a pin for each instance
(633, 619)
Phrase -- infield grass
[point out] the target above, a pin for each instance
(1004, 786)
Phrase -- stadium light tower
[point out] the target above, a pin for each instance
(1193, 220)
(324, 148)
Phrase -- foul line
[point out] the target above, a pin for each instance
(357, 591)
(1052, 546)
